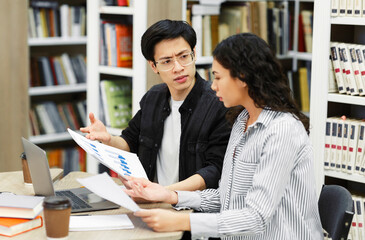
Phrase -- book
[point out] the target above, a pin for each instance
(117, 102)
(307, 29)
(20, 206)
(13, 226)
(304, 89)
(124, 48)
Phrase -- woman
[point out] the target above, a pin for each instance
(266, 189)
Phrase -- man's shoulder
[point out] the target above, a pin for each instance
(161, 87)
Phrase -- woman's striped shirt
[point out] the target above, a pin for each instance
(267, 188)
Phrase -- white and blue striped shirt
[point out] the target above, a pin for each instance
(267, 188)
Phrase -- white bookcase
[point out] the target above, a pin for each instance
(144, 14)
(56, 45)
(324, 104)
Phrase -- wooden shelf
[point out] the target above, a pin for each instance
(57, 41)
(116, 10)
(360, 21)
(126, 72)
(50, 138)
(346, 99)
(59, 89)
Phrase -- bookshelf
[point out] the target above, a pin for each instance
(14, 82)
(57, 47)
(324, 104)
(143, 14)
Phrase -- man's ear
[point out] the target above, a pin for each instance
(153, 66)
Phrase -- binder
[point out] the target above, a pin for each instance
(357, 8)
(353, 138)
(337, 68)
(333, 153)
(332, 85)
(349, 8)
(339, 144)
(361, 146)
(356, 69)
(327, 143)
(344, 76)
(342, 7)
(335, 5)
(345, 143)
(349, 70)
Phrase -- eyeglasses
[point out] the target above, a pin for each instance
(167, 64)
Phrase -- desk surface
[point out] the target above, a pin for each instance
(140, 231)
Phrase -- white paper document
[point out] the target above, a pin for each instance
(100, 222)
(103, 186)
(122, 162)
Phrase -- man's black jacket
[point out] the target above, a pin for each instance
(204, 131)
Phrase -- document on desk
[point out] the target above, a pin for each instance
(103, 186)
(100, 222)
(122, 162)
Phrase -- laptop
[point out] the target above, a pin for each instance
(82, 199)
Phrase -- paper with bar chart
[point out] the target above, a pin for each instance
(122, 162)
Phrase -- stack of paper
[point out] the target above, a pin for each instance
(100, 222)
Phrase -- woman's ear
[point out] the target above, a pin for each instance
(153, 66)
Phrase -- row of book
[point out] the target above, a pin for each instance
(348, 67)
(357, 229)
(121, 3)
(116, 47)
(344, 145)
(57, 70)
(347, 8)
(48, 19)
(116, 96)
(49, 117)
(272, 21)
(69, 159)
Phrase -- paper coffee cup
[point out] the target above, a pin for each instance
(57, 211)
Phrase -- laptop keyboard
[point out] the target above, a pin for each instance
(76, 202)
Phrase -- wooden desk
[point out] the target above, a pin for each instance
(140, 231)
(14, 181)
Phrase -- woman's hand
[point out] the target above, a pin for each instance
(141, 188)
(164, 220)
(96, 130)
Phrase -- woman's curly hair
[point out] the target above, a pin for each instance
(250, 59)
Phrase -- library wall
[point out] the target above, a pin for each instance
(172, 9)
(14, 82)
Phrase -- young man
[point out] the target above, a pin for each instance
(180, 132)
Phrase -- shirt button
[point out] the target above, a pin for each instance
(156, 145)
